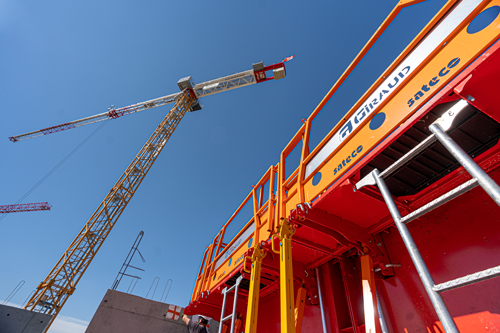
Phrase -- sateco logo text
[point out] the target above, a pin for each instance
(366, 109)
(432, 82)
(348, 159)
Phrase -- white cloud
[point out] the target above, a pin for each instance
(64, 324)
(10, 304)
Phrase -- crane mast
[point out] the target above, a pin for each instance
(53, 292)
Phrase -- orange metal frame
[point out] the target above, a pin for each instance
(264, 216)
(285, 193)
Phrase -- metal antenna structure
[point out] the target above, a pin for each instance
(165, 299)
(126, 263)
(157, 279)
(14, 292)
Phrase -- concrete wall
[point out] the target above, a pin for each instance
(125, 313)
(16, 320)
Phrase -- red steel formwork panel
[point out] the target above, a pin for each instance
(458, 238)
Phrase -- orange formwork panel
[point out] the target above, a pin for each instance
(345, 249)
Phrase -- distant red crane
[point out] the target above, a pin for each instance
(27, 207)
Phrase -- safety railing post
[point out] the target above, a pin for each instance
(271, 208)
(303, 156)
(256, 217)
(279, 204)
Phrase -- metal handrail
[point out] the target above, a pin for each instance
(295, 182)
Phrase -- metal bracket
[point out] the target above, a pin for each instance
(345, 232)
(367, 180)
(447, 119)
(445, 122)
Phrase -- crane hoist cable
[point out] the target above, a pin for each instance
(48, 174)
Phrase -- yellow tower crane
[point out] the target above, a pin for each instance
(53, 292)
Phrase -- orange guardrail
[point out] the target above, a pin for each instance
(410, 84)
(217, 261)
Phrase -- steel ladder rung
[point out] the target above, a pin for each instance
(226, 318)
(457, 191)
(408, 156)
(468, 279)
(399, 163)
(231, 289)
(479, 177)
(235, 302)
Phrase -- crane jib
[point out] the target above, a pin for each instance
(207, 88)
(60, 283)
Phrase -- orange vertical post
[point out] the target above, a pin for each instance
(271, 213)
(221, 240)
(256, 217)
(281, 171)
(300, 302)
(237, 325)
(372, 323)
(303, 156)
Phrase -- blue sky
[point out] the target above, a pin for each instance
(62, 61)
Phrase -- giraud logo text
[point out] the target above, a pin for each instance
(370, 105)
(432, 82)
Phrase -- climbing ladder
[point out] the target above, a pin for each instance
(480, 177)
(232, 316)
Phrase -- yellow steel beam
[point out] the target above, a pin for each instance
(53, 292)
(287, 308)
(372, 323)
(253, 294)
